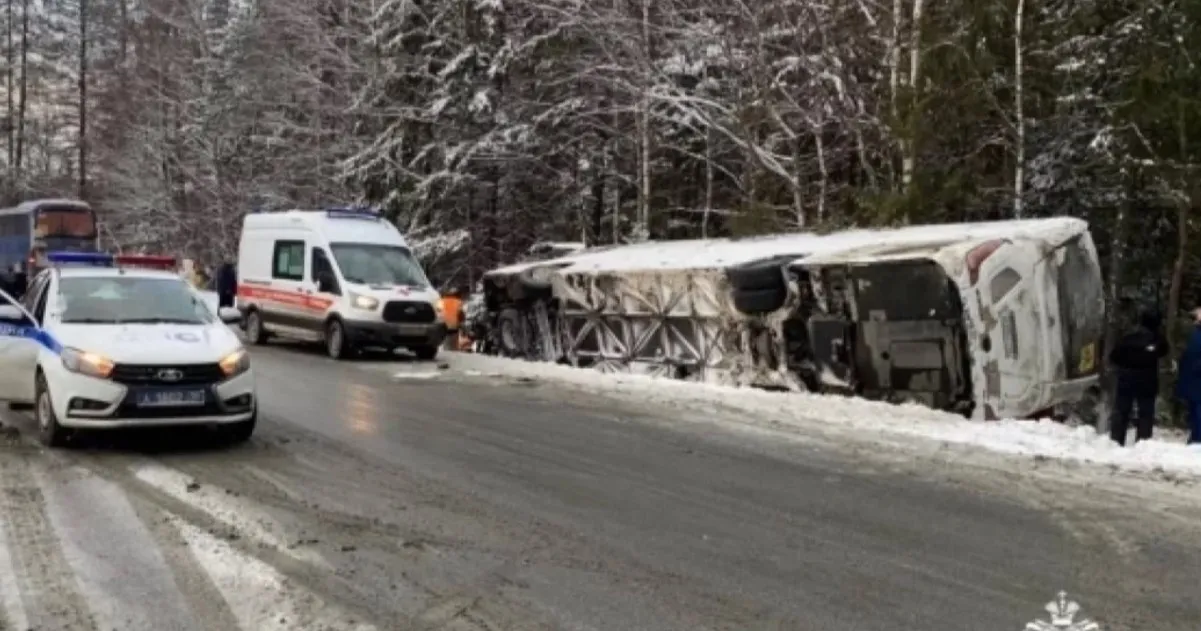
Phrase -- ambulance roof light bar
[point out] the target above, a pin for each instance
(98, 259)
(353, 212)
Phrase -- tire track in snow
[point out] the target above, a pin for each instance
(260, 597)
(46, 586)
(239, 515)
(13, 615)
(116, 561)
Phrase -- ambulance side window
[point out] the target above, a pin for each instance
(288, 260)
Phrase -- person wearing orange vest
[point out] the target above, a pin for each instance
(452, 310)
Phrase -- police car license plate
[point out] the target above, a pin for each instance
(170, 398)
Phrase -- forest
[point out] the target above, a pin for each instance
(482, 126)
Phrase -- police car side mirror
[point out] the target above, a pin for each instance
(12, 315)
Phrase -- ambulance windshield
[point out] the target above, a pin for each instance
(368, 264)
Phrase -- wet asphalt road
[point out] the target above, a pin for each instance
(460, 501)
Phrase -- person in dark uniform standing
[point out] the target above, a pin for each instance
(1136, 361)
(227, 284)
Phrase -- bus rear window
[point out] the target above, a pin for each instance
(59, 223)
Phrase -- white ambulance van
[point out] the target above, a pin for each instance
(343, 277)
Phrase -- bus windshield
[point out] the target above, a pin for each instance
(65, 222)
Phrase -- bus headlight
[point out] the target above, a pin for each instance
(367, 303)
(235, 363)
(85, 363)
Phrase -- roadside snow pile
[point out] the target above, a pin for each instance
(858, 417)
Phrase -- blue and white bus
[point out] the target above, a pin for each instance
(30, 229)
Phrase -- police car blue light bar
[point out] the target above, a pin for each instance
(100, 259)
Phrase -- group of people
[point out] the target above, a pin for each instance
(1136, 360)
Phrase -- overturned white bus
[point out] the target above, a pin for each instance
(993, 320)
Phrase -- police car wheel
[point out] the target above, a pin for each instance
(254, 327)
(49, 431)
(336, 345)
(241, 432)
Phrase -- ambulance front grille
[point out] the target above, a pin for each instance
(409, 312)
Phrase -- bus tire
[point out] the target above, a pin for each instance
(756, 275)
(759, 301)
(509, 334)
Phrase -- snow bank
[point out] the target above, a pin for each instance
(858, 417)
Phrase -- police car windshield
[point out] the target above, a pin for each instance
(378, 265)
(130, 300)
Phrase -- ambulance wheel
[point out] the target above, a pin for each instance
(336, 344)
(49, 431)
(240, 432)
(254, 327)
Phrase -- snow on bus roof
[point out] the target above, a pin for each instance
(691, 254)
(928, 240)
(723, 253)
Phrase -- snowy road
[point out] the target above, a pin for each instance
(399, 496)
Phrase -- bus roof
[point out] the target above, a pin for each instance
(34, 204)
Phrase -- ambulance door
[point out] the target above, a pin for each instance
(286, 306)
(19, 346)
(1011, 337)
(324, 288)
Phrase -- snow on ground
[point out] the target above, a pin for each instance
(234, 512)
(1040, 439)
(259, 597)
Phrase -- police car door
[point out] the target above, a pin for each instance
(19, 345)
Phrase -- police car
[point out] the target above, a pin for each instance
(103, 342)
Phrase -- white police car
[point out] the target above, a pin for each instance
(102, 342)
